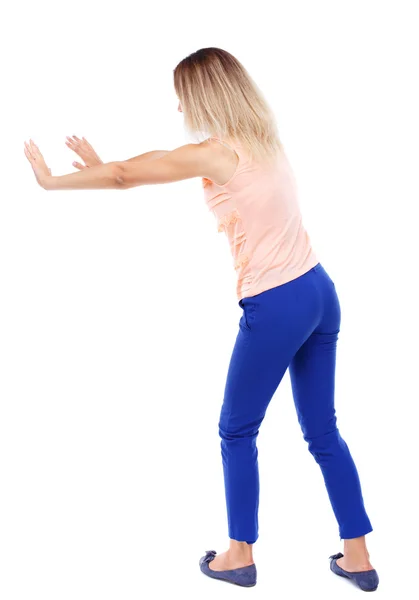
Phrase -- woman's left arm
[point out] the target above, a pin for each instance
(185, 162)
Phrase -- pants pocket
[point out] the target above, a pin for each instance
(247, 317)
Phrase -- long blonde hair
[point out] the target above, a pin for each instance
(219, 97)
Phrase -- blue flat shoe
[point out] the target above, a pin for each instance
(245, 576)
(366, 580)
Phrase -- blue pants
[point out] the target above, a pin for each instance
(293, 325)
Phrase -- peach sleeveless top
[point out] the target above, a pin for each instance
(258, 210)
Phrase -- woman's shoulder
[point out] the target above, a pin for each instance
(224, 158)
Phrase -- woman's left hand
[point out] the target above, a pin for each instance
(38, 164)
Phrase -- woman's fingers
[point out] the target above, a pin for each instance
(77, 145)
(36, 153)
(32, 151)
(87, 143)
(83, 149)
(35, 150)
(28, 153)
(71, 146)
(71, 142)
(78, 165)
(75, 140)
(27, 149)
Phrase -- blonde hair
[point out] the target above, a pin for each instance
(219, 97)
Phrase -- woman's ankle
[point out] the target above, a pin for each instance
(356, 553)
(241, 550)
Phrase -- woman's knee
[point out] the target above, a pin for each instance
(325, 445)
(229, 431)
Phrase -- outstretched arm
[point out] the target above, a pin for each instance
(148, 155)
(184, 162)
(87, 153)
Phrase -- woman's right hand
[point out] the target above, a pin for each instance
(83, 149)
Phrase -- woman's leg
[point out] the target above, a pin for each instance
(246, 398)
(273, 326)
(312, 372)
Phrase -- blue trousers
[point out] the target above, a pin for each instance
(295, 326)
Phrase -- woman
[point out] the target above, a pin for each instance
(291, 313)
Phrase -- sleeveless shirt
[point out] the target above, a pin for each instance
(258, 210)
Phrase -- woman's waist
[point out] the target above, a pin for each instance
(250, 286)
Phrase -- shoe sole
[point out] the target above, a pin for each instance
(353, 581)
(228, 580)
(231, 582)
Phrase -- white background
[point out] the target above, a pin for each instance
(118, 312)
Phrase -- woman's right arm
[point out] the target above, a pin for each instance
(148, 155)
(86, 152)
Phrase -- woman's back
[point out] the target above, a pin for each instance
(259, 211)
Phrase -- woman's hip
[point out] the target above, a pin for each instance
(304, 302)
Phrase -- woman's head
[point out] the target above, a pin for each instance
(219, 98)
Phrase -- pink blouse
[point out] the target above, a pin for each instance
(259, 212)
